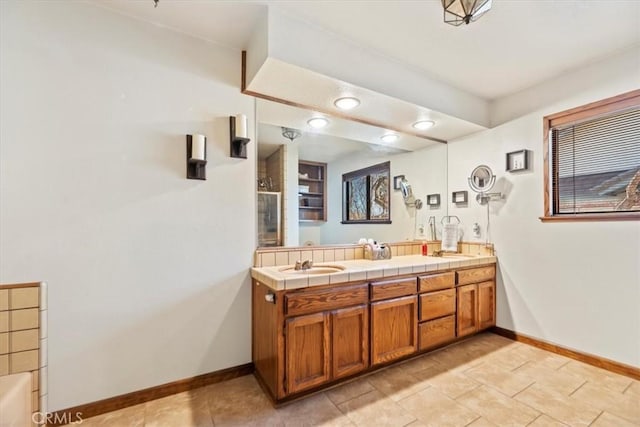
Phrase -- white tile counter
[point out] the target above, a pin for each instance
(363, 269)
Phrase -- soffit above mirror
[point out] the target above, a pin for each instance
(293, 63)
(317, 92)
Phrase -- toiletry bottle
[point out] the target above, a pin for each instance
(424, 248)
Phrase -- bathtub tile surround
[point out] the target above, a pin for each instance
(15, 400)
(23, 336)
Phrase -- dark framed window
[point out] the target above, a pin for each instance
(365, 195)
(592, 161)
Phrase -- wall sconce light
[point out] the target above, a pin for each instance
(196, 156)
(433, 200)
(459, 197)
(238, 136)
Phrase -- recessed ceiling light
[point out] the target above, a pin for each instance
(318, 122)
(424, 124)
(347, 103)
(390, 137)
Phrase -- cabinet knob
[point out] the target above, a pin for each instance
(270, 298)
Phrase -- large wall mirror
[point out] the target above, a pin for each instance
(300, 185)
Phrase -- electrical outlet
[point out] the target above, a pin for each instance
(476, 230)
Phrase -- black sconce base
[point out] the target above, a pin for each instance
(196, 169)
(237, 145)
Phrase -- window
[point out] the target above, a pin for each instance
(592, 161)
(365, 195)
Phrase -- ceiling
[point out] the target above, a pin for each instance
(517, 44)
(340, 138)
(316, 146)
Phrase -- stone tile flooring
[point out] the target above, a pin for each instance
(486, 380)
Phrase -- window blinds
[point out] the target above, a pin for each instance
(596, 165)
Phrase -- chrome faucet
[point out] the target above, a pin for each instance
(304, 265)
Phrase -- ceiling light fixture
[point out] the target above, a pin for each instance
(423, 124)
(457, 12)
(389, 137)
(347, 103)
(318, 122)
(290, 133)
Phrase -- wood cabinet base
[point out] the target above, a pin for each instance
(308, 339)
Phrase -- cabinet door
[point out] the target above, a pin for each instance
(349, 341)
(486, 305)
(307, 351)
(394, 329)
(467, 310)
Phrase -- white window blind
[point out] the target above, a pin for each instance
(596, 165)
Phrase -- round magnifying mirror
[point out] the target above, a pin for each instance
(482, 179)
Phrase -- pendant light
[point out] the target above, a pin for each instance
(457, 12)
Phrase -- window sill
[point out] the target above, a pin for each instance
(630, 216)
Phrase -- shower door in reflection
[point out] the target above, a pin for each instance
(269, 218)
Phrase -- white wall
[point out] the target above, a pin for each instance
(574, 284)
(148, 272)
(425, 170)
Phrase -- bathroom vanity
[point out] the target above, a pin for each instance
(314, 330)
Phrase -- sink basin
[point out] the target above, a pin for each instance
(320, 269)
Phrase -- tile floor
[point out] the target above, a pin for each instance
(487, 380)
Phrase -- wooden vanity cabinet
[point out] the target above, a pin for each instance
(306, 338)
(476, 300)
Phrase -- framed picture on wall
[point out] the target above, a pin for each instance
(518, 161)
(365, 195)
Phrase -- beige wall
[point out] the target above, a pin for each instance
(574, 284)
(148, 272)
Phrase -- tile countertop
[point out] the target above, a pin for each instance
(363, 269)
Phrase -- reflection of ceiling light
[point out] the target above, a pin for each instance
(318, 122)
(347, 103)
(423, 124)
(457, 12)
(291, 133)
(390, 137)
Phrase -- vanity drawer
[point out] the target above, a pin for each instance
(312, 301)
(393, 288)
(476, 275)
(436, 332)
(435, 282)
(437, 304)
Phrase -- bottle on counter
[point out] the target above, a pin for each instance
(425, 249)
